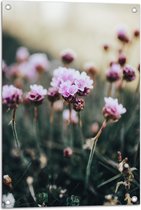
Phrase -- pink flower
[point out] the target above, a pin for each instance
(90, 69)
(67, 89)
(39, 61)
(122, 59)
(84, 83)
(114, 73)
(53, 94)
(70, 82)
(63, 74)
(74, 116)
(23, 70)
(122, 35)
(11, 95)
(22, 54)
(128, 73)
(37, 94)
(112, 109)
(68, 56)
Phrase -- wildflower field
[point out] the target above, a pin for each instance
(70, 135)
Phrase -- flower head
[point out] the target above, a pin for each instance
(90, 69)
(112, 109)
(122, 35)
(68, 56)
(53, 94)
(67, 89)
(70, 82)
(22, 54)
(37, 94)
(23, 70)
(128, 73)
(39, 61)
(122, 59)
(11, 95)
(114, 72)
(84, 84)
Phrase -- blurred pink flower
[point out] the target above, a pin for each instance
(128, 73)
(112, 109)
(66, 116)
(23, 70)
(90, 69)
(122, 35)
(39, 61)
(53, 94)
(37, 94)
(22, 54)
(113, 73)
(68, 152)
(94, 127)
(122, 59)
(11, 95)
(68, 56)
(136, 33)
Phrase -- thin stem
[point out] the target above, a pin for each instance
(95, 139)
(14, 128)
(51, 115)
(138, 86)
(110, 89)
(80, 121)
(36, 128)
(69, 113)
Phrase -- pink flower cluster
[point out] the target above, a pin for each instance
(11, 95)
(28, 66)
(37, 94)
(70, 82)
(112, 109)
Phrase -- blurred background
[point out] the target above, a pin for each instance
(51, 27)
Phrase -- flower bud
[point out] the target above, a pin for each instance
(136, 33)
(79, 104)
(68, 56)
(122, 59)
(128, 73)
(68, 152)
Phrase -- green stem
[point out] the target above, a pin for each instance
(95, 139)
(110, 90)
(14, 128)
